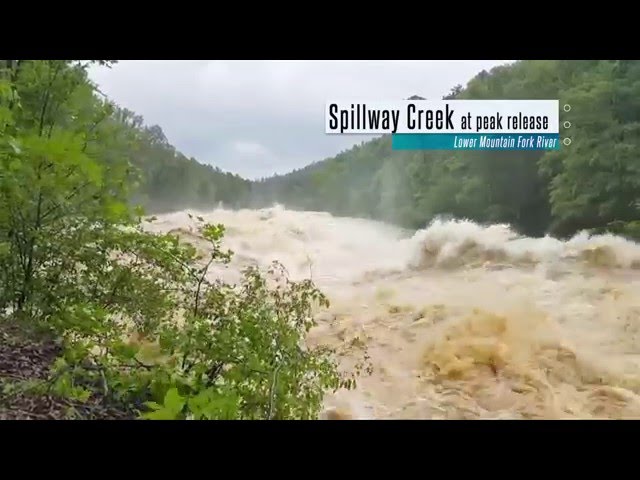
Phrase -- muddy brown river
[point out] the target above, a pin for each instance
(461, 321)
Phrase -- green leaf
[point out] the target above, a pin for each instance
(5, 88)
(15, 145)
(162, 414)
(59, 363)
(127, 351)
(116, 209)
(81, 394)
(173, 401)
(154, 405)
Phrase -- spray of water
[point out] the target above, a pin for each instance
(460, 320)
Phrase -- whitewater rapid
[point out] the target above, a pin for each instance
(461, 321)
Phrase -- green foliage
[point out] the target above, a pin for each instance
(237, 352)
(142, 320)
(240, 352)
(591, 184)
(142, 323)
(170, 181)
(171, 409)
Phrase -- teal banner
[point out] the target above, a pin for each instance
(476, 141)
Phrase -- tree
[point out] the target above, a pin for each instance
(76, 263)
(591, 184)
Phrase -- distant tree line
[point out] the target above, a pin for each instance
(593, 184)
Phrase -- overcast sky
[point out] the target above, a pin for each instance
(257, 118)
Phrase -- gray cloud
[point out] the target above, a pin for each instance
(257, 118)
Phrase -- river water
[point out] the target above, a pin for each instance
(461, 321)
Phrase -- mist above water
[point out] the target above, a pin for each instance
(460, 320)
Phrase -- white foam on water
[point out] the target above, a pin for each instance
(461, 320)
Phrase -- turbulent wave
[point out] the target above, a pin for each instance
(456, 243)
(460, 320)
(520, 366)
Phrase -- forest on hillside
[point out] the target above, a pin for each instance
(168, 180)
(592, 184)
(160, 178)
